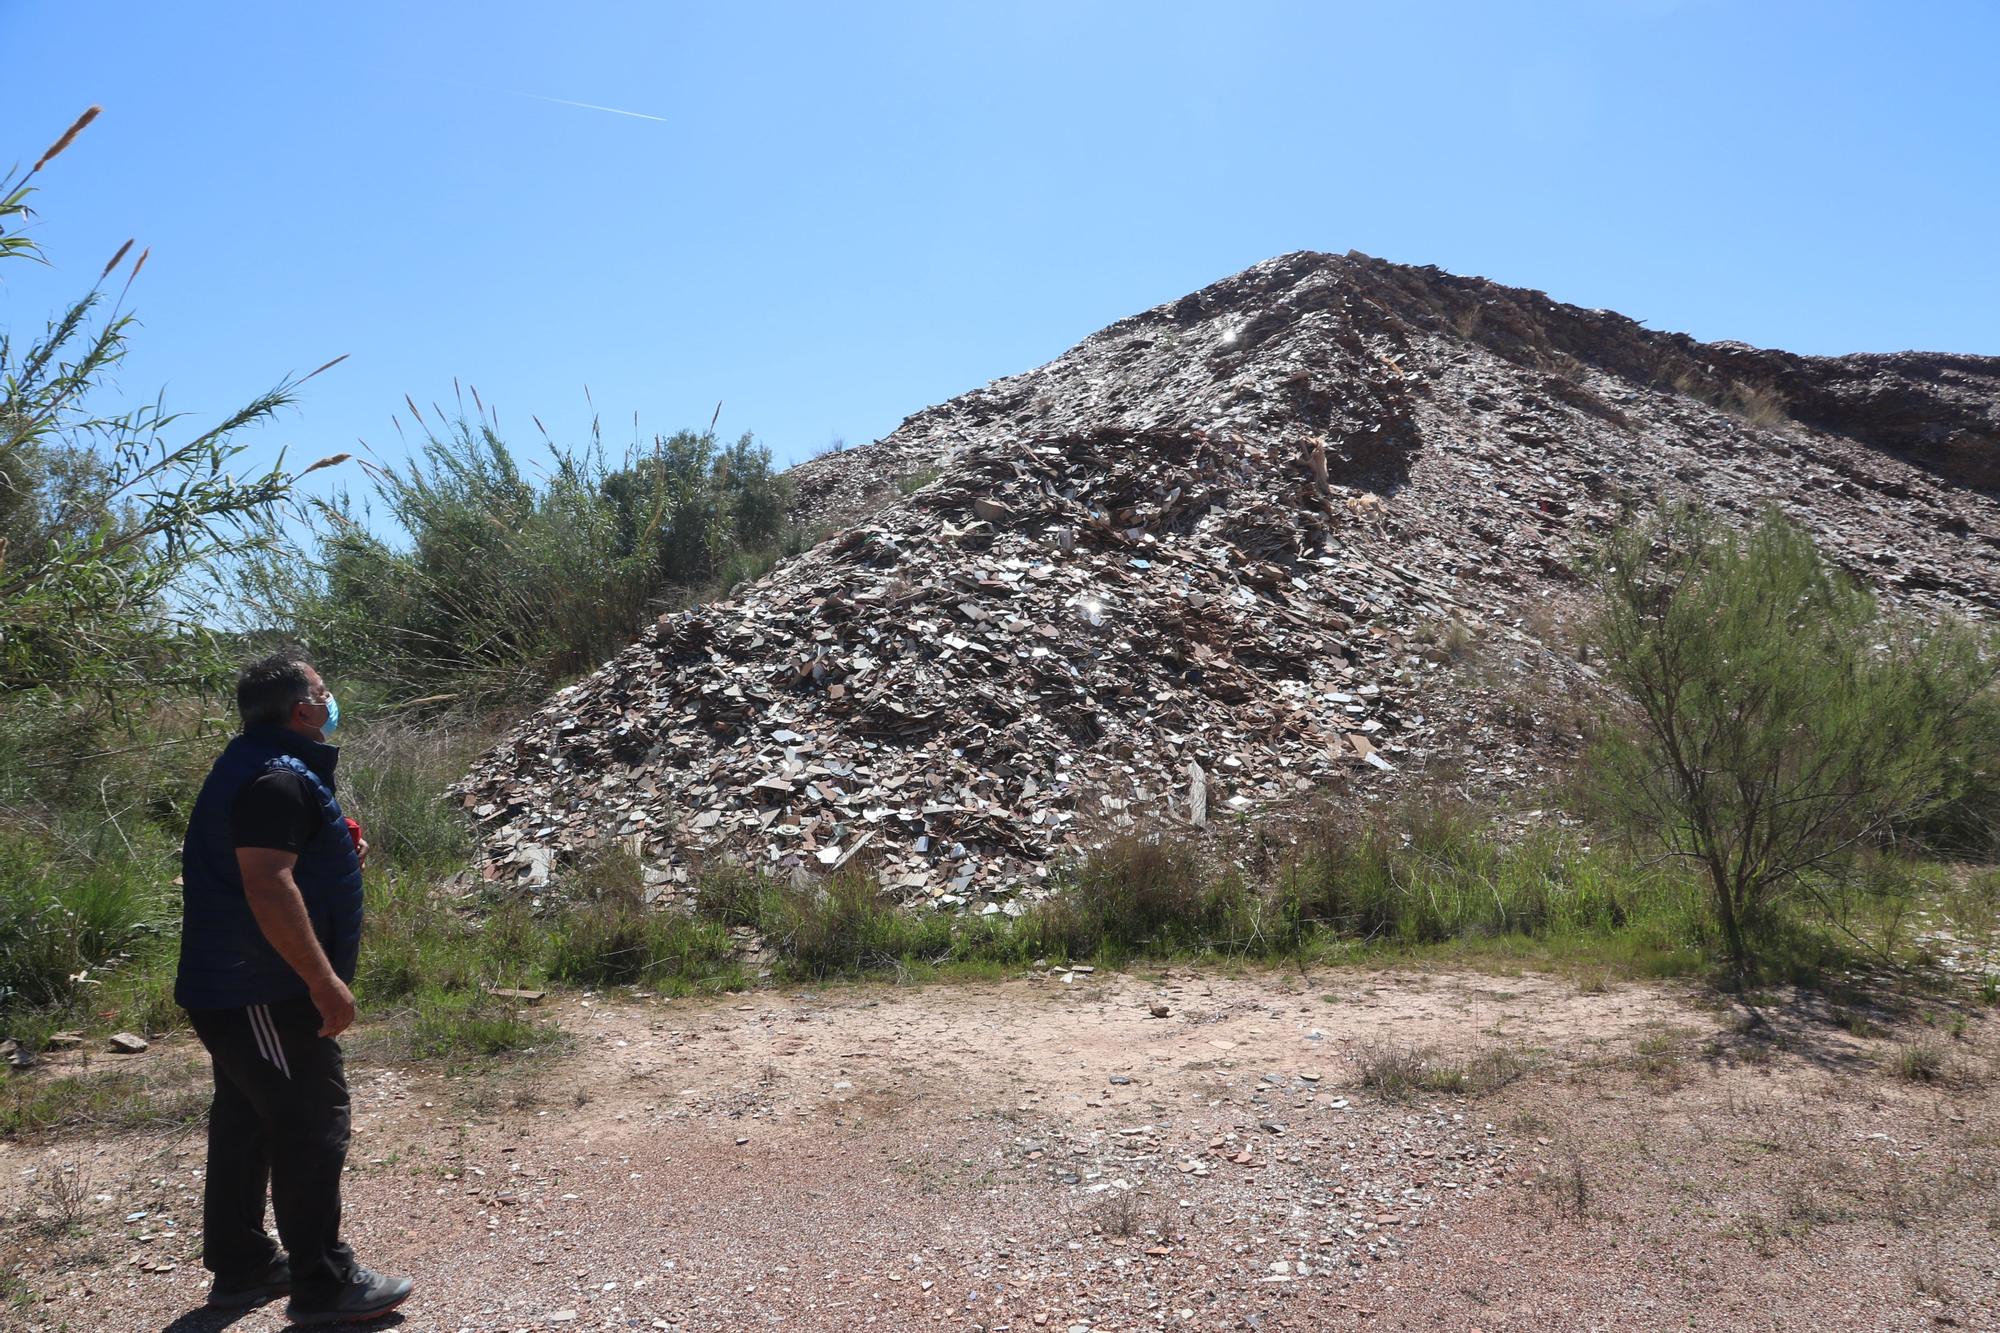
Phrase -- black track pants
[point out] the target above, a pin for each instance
(280, 1120)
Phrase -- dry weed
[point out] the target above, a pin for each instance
(66, 1192)
(1402, 1073)
(1920, 1061)
(1757, 404)
(1126, 1213)
(1566, 1185)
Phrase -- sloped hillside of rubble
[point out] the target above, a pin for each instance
(1311, 531)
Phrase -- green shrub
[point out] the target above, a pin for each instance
(65, 920)
(416, 939)
(1965, 820)
(846, 924)
(599, 931)
(1141, 896)
(616, 941)
(1921, 1061)
(1777, 720)
(1422, 875)
(506, 586)
(731, 896)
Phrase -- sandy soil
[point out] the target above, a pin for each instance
(1042, 1153)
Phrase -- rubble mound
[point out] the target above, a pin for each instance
(1312, 531)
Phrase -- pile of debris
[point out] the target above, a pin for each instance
(1313, 531)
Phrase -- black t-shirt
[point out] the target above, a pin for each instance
(277, 810)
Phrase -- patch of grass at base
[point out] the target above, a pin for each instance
(1403, 1073)
(454, 1025)
(30, 1105)
(1920, 1062)
(848, 925)
(1424, 885)
(613, 938)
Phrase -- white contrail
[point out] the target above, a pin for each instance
(592, 106)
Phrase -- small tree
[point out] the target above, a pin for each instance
(1777, 718)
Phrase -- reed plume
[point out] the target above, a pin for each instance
(68, 138)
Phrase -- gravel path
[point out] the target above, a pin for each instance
(1046, 1153)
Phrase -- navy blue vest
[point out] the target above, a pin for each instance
(225, 959)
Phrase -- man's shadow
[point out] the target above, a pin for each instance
(201, 1319)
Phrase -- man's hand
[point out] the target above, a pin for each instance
(335, 1003)
(361, 850)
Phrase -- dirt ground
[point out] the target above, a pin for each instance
(1047, 1153)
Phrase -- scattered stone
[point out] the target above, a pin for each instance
(127, 1043)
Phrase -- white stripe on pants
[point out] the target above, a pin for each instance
(266, 1033)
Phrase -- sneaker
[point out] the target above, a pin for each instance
(267, 1284)
(366, 1296)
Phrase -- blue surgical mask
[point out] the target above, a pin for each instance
(332, 717)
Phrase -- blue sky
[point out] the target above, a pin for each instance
(844, 213)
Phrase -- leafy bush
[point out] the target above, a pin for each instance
(113, 525)
(1778, 720)
(505, 587)
(1965, 820)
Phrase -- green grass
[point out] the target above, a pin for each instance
(1434, 874)
(1429, 886)
(1439, 889)
(1446, 894)
(1450, 893)
(81, 936)
(96, 1101)
(459, 1025)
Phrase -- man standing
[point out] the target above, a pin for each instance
(270, 931)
